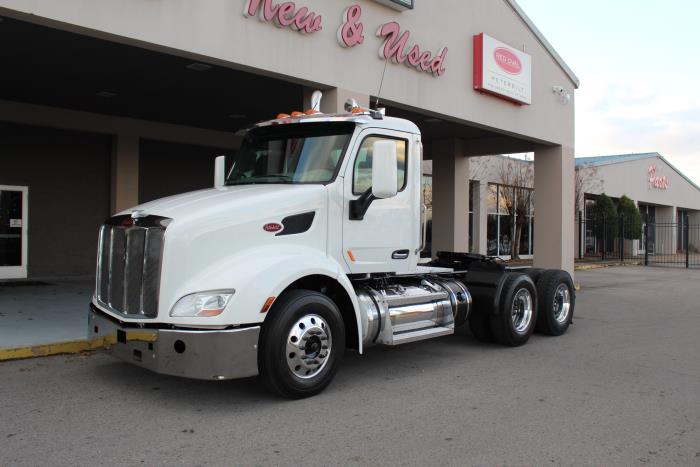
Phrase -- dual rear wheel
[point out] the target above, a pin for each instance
(525, 307)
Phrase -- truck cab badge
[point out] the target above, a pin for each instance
(272, 227)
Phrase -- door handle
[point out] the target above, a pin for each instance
(400, 254)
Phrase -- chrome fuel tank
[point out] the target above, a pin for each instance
(398, 313)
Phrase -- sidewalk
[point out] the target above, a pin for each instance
(44, 319)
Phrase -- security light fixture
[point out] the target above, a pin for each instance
(198, 66)
(106, 94)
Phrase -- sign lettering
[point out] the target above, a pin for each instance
(350, 32)
(396, 48)
(284, 15)
(660, 183)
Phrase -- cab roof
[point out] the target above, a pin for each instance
(364, 120)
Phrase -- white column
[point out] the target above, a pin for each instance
(554, 208)
(450, 197)
(125, 172)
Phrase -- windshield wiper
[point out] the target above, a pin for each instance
(263, 179)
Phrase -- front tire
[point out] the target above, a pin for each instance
(517, 313)
(301, 344)
(557, 298)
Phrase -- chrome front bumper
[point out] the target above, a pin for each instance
(198, 354)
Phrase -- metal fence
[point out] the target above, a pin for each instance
(648, 243)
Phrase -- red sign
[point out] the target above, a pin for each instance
(285, 14)
(502, 70)
(272, 227)
(396, 49)
(508, 61)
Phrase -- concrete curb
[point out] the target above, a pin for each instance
(45, 350)
(588, 267)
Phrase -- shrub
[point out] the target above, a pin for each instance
(632, 218)
(604, 208)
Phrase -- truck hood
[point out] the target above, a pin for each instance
(212, 229)
(256, 200)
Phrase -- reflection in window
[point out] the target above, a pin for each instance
(500, 222)
(362, 176)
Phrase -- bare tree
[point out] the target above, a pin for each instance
(585, 180)
(517, 178)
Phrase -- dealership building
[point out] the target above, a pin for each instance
(105, 105)
(667, 199)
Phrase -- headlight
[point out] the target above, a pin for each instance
(203, 304)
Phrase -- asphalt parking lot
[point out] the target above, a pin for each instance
(621, 388)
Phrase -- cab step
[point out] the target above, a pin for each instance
(421, 334)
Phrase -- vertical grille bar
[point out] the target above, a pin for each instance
(133, 270)
(117, 262)
(151, 271)
(103, 264)
(129, 265)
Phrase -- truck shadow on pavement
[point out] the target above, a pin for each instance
(378, 364)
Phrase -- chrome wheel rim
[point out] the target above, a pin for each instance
(522, 311)
(308, 346)
(562, 303)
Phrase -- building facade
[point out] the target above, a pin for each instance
(105, 105)
(501, 192)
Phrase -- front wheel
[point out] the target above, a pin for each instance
(301, 344)
(517, 314)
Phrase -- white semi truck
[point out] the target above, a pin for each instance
(308, 245)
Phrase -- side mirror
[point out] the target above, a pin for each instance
(384, 171)
(220, 172)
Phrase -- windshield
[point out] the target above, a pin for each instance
(291, 153)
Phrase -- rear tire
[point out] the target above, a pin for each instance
(557, 299)
(301, 344)
(517, 312)
(534, 273)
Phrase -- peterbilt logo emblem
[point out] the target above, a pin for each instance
(272, 227)
(508, 61)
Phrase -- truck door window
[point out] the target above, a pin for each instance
(362, 172)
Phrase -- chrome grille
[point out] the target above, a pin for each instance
(128, 265)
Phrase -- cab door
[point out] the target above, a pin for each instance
(386, 238)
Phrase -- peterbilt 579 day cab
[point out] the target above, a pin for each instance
(307, 245)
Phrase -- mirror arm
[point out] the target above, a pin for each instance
(359, 206)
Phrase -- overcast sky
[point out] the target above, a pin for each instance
(639, 66)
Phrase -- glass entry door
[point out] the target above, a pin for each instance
(13, 231)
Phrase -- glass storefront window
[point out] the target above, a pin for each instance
(492, 235)
(499, 229)
(492, 199)
(505, 199)
(504, 238)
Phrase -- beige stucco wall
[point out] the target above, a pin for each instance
(631, 179)
(218, 32)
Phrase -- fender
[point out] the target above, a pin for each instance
(257, 274)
